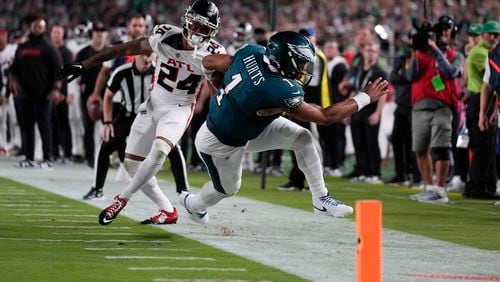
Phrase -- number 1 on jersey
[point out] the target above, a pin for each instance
(235, 80)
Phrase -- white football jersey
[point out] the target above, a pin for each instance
(6, 58)
(177, 72)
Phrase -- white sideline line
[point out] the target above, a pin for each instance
(53, 214)
(34, 206)
(156, 257)
(394, 196)
(60, 220)
(84, 227)
(189, 268)
(202, 280)
(99, 234)
(85, 241)
(27, 201)
(16, 194)
(142, 249)
(40, 210)
(355, 189)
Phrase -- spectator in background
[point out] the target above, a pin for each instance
(491, 86)
(434, 88)
(316, 92)
(61, 131)
(33, 78)
(337, 73)
(365, 124)
(241, 35)
(404, 161)
(482, 113)
(87, 83)
(473, 37)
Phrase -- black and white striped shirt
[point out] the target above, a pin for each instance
(133, 85)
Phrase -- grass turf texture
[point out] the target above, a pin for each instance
(472, 223)
(27, 260)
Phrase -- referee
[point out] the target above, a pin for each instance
(132, 80)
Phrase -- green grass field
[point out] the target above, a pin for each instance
(472, 223)
(72, 246)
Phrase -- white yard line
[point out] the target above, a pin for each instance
(85, 241)
(97, 234)
(137, 249)
(159, 257)
(33, 206)
(315, 248)
(61, 220)
(27, 201)
(56, 215)
(151, 268)
(202, 280)
(84, 227)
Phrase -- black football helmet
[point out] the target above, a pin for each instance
(200, 22)
(292, 54)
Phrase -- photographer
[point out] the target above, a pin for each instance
(433, 71)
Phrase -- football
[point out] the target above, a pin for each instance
(94, 109)
(217, 78)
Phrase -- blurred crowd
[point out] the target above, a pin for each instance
(356, 43)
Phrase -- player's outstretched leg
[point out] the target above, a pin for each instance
(309, 162)
(198, 217)
(109, 214)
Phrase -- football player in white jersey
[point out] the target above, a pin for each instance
(167, 113)
(7, 52)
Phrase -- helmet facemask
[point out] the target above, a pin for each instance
(197, 28)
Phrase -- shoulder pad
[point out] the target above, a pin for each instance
(165, 30)
(214, 47)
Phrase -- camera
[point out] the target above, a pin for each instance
(420, 36)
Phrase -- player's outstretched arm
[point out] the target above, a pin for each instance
(339, 111)
(134, 47)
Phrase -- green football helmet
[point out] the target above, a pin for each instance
(292, 54)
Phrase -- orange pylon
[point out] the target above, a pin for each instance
(369, 251)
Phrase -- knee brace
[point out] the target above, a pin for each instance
(440, 153)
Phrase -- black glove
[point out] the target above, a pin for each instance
(70, 71)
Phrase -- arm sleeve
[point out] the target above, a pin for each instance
(448, 69)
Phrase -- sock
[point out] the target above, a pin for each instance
(207, 197)
(153, 192)
(149, 167)
(150, 189)
(309, 162)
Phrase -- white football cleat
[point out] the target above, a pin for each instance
(198, 217)
(327, 205)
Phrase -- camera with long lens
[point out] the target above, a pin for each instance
(421, 35)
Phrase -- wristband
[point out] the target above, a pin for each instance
(107, 122)
(362, 100)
